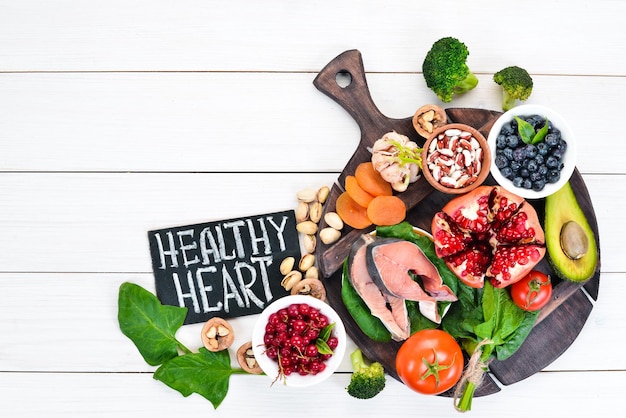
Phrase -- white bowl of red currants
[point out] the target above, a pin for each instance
(533, 151)
(299, 340)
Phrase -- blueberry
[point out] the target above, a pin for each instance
(519, 154)
(531, 151)
(552, 162)
(507, 173)
(524, 172)
(562, 145)
(538, 185)
(508, 153)
(515, 166)
(543, 170)
(517, 181)
(532, 166)
(542, 148)
(501, 141)
(512, 141)
(553, 176)
(552, 140)
(501, 161)
(527, 184)
(557, 153)
(535, 176)
(507, 129)
(540, 159)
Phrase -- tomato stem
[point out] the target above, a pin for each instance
(433, 369)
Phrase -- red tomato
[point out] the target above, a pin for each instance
(532, 292)
(430, 362)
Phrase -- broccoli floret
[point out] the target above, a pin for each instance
(367, 380)
(516, 85)
(445, 69)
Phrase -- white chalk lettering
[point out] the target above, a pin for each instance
(222, 244)
(235, 225)
(208, 246)
(192, 292)
(245, 287)
(230, 290)
(254, 239)
(205, 290)
(280, 229)
(263, 263)
(187, 247)
(172, 252)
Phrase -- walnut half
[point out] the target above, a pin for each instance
(217, 334)
(428, 118)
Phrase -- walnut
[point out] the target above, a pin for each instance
(428, 118)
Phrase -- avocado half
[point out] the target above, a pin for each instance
(564, 217)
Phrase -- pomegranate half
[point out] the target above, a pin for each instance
(489, 233)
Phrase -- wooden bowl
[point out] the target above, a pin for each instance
(452, 166)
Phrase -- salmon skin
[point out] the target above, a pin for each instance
(379, 272)
(395, 317)
(390, 263)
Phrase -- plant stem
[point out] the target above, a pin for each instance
(182, 347)
(465, 403)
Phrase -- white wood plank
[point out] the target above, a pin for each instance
(246, 121)
(576, 394)
(56, 322)
(195, 35)
(92, 222)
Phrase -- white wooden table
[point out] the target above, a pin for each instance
(118, 117)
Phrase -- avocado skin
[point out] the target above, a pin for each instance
(562, 207)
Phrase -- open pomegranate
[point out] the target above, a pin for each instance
(489, 233)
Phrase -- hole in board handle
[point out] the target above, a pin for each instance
(343, 79)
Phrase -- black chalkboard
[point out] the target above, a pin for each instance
(226, 268)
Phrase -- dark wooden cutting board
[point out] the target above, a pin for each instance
(560, 321)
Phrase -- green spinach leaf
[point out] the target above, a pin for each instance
(150, 325)
(205, 373)
(369, 324)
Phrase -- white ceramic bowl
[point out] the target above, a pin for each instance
(569, 159)
(270, 367)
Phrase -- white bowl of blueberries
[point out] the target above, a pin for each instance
(530, 158)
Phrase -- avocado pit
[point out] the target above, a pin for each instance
(574, 241)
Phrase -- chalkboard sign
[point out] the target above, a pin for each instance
(227, 268)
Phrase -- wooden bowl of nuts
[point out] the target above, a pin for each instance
(456, 158)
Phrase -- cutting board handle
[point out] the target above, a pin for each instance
(355, 97)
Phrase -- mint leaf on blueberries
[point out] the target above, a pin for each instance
(150, 325)
(525, 129)
(541, 133)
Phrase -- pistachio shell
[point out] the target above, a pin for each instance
(306, 262)
(333, 220)
(287, 265)
(302, 212)
(307, 195)
(322, 194)
(329, 235)
(309, 242)
(307, 227)
(315, 212)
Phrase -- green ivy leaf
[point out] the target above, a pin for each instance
(150, 325)
(205, 373)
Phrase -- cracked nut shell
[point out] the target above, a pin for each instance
(310, 287)
(428, 118)
(217, 334)
(245, 358)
